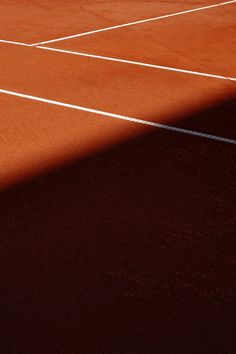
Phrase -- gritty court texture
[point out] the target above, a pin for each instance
(117, 177)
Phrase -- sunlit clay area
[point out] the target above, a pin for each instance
(117, 176)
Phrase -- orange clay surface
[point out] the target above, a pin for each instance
(45, 19)
(144, 93)
(117, 237)
(38, 137)
(204, 41)
(195, 41)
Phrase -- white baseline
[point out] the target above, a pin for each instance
(118, 116)
(153, 66)
(136, 22)
(120, 60)
(13, 42)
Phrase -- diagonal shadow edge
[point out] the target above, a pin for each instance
(133, 247)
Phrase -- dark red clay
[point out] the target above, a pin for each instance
(117, 238)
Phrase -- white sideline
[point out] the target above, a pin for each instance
(135, 23)
(119, 60)
(138, 63)
(117, 116)
(16, 43)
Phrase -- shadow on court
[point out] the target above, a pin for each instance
(129, 251)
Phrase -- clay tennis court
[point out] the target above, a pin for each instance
(117, 176)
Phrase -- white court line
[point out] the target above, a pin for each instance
(190, 72)
(16, 43)
(119, 60)
(135, 23)
(118, 116)
(160, 67)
